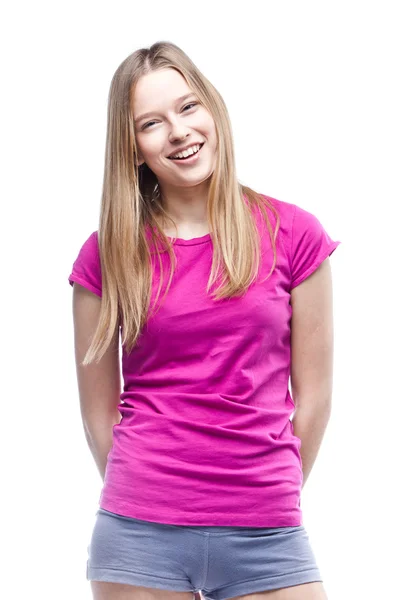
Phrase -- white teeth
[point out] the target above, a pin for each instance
(187, 152)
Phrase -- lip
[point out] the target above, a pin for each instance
(186, 147)
(190, 160)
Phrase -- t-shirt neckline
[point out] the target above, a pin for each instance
(192, 242)
(182, 242)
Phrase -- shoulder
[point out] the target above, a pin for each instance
(283, 213)
(304, 238)
(285, 210)
(295, 222)
(91, 244)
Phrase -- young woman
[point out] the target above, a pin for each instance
(201, 461)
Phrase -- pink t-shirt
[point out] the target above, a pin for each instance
(206, 436)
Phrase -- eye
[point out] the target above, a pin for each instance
(150, 122)
(147, 124)
(191, 104)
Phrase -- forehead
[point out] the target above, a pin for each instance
(162, 86)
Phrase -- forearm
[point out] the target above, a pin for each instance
(309, 424)
(99, 435)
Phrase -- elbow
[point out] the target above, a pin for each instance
(321, 402)
(100, 424)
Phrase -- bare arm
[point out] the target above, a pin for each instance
(312, 361)
(99, 384)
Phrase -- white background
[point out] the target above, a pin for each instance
(312, 92)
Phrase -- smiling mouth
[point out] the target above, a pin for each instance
(189, 155)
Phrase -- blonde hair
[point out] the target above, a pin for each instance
(131, 203)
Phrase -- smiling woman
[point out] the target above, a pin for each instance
(175, 126)
(203, 473)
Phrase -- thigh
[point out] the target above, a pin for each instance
(254, 563)
(137, 560)
(104, 590)
(305, 591)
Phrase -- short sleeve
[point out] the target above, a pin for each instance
(86, 270)
(311, 245)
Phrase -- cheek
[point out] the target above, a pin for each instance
(151, 149)
(211, 130)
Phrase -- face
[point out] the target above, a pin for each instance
(169, 124)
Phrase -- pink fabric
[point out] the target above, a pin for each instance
(206, 436)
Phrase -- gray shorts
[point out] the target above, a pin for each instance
(221, 562)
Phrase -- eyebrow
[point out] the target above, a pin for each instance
(148, 114)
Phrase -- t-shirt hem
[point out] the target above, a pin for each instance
(86, 284)
(214, 519)
(328, 251)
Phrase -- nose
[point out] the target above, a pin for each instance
(177, 132)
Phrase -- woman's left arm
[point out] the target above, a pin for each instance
(311, 371)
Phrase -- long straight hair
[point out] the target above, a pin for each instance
(131, 207)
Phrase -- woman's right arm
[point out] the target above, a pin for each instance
(99, 384)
